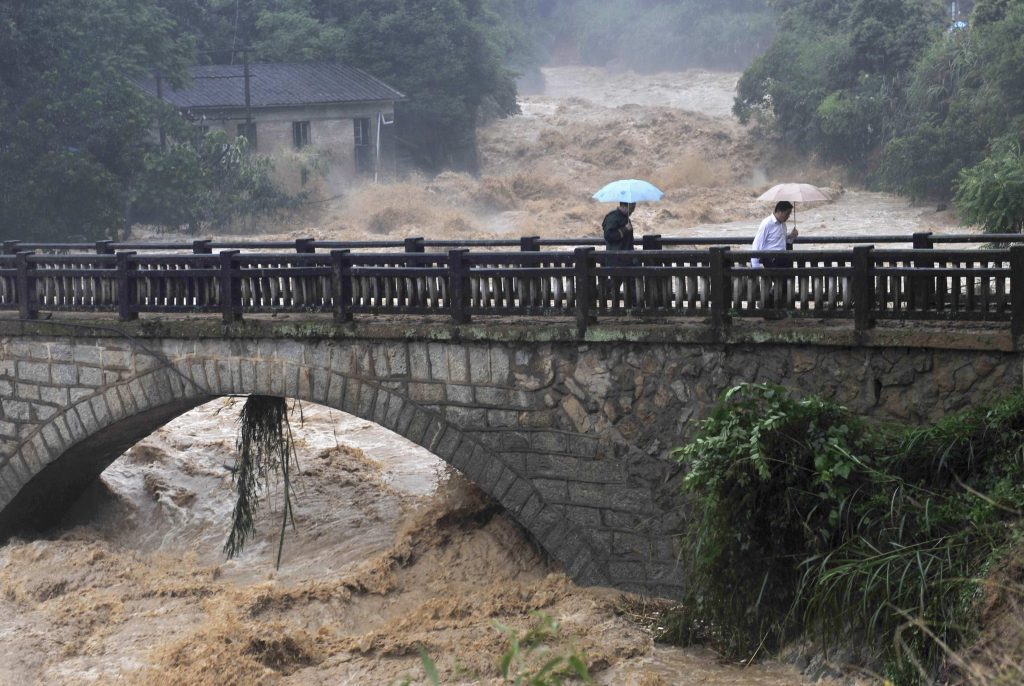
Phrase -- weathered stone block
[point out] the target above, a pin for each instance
(379, 368)
(16, 410)
(277, 380)
(446, 443)
(479, 364)
(499, 419)
(321, 379)
(27, 391)
(625, 571)
(64, 374)
(552, 490)
(380, 409)
(116, 359)
(504, 484)
(395, 407)
(418, 426)
(61, 352)
(60, 422)
(494, 397)
(463, 455)
(466, 417)
(100, 410)
(491, 474)
(501, 365)
(44, 412)
(397, 359)
(458, 393)
(227, 372)
(367, 399)
(426, 392)
(34, 372)
(405, 420)
(585, 516)
(458, 364)
(117, 410)
(549, 442)
(590, 495)
(54, 396)
(87, 355)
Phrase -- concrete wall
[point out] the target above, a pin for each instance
(571, 437)
(332, 136)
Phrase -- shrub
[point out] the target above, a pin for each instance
(810, 519)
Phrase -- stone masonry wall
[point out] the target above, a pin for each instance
(572, 439)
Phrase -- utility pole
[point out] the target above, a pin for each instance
(248, 102)
(160, 97)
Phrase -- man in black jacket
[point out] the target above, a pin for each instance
(618, 237)
(618, 230)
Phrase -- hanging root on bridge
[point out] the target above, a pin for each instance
(265, 455)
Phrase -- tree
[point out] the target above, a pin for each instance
(73, 127)
(991, 193)
(438, 54)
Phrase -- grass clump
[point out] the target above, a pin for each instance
(810, 520)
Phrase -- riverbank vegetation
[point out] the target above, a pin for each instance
(909, 100)
(809, 521)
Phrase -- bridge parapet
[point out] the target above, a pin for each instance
(863, 285)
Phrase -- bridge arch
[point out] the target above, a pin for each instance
(140, 389)
(571, 436)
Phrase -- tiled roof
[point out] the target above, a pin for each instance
(272, 85)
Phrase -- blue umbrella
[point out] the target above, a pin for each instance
(628, 190)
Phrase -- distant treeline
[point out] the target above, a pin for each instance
(653, 35)
(915, 100)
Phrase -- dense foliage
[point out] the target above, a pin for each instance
(808, 519)
(894, 90)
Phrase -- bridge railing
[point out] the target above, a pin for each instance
(864, 284)
(205, 246)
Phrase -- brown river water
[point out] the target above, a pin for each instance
(393, 551)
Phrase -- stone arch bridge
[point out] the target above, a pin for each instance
(571, 434)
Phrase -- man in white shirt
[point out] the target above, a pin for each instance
(771, 235)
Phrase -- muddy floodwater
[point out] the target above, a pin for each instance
(392, 552)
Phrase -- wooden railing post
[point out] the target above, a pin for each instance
(1016, 291)
(583, 261)
(863, 287)
(202, 247)
(652, 242)
(305, 246)
(125, 292)
(922, 285)
(230, 288)
(719, 286)
(341, 261)
(529, 244)
(104, 247)
(28, 307)
(458, 284)
(11, 247)
(414, 245)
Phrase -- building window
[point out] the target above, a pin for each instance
(364, 162)
(361, 128)
(247, 130)
(300, 134)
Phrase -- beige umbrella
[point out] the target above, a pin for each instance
(793, 192)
